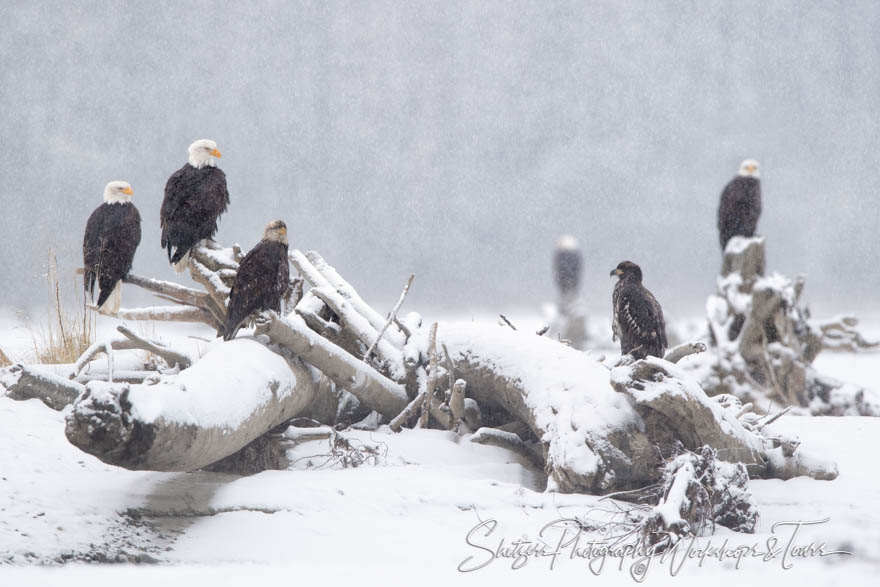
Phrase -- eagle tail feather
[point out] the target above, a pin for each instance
(110, 301)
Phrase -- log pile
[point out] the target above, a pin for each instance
(332, 357)
(764, 342)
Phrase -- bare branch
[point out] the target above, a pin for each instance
(408, 412)
(171, 356)
(168, 289)
(431, 384)
(391, 317)
(166, 314)
(674, 355)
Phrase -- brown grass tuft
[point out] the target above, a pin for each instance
(67, 333)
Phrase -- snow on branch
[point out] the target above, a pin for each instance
(26, 382)
(348, 292)
(349, 312)
(368, 385)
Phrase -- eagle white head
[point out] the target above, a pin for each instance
(276, 231)
(203, 153)
(749, 168)
(567, 242)
(117, 192)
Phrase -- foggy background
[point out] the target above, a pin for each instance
(454, 140)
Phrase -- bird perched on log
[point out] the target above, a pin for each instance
(567, 262)
(195, 197)
(112, 235)
(262, 279)
(638, 318)
(740, 205)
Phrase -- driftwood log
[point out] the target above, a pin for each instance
(594, 430)
(188, 421)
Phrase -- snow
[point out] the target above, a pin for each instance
(213, 394)
(413, 509)
(569, 393)
(738, 244)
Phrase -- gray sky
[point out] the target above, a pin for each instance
(455, 140)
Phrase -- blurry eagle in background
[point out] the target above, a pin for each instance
(262, 279)
(112, 235)
(195, 197)
(740, 205)
(567, 263)
(638, 318)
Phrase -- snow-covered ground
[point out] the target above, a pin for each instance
(413, 509)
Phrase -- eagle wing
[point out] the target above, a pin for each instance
(92, 246)
(257, 284)
(739, 209)
(113, 233)
(194, 200)
(640, 322)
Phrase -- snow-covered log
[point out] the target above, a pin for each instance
(592, 437)
(670, 401)
(600, 430)
(238, 391)
(26, 382)
(675, 408)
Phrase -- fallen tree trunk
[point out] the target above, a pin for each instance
(237, 392)
(590, 434)
(598, 434)
(25, 382)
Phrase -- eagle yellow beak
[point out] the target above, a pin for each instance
(617, 272)
(283, 231)
(128, 191)
(215, 153)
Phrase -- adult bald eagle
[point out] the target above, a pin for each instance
(113, 232)
(740, 205)
(638, 318)
(195, 197)
(567, 261)
(263, 277)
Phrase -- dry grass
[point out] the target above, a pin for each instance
(5, 361)
(67, 333)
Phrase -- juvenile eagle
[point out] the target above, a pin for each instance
(195, 197)
(263, 277)
(638, 318)
(113, 232)
(567, 262)
(740, 205)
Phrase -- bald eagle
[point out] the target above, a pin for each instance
(638, 318)
(740, 205)
(195, 197)
(567, 261)
(112, 235)
(263, 278)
